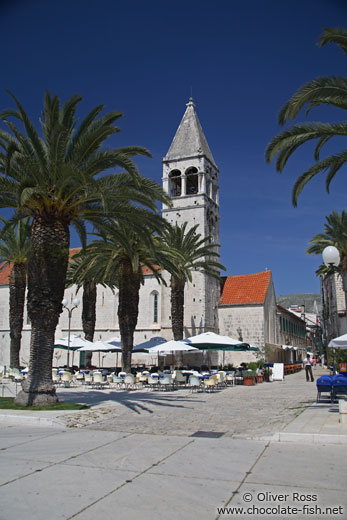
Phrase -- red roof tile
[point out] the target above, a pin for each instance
(5, 273)
(246, 288)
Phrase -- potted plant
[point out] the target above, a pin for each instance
(259, 377)
(249, 377)
(267, 372)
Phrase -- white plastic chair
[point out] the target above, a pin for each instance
(88, 379)
(129, 381)
(180, 379)
(98, 380)
(194, 383)
(152, 382)
(66, 379)
(79, 376)
(166, 382)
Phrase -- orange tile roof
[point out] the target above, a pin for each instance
(245, 288)
(5, 273)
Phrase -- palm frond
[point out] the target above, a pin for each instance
(330, 165)
(320, 91)
(334, 35)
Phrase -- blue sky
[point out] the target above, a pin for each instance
(242, 60)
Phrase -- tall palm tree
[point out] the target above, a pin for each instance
(79, 275)
(320, 91)
(191, 253)
(14, 251)
(54, 179)
(121, 255)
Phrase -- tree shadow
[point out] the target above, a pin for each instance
(136, 401)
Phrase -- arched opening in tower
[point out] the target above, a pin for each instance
(192, 181)
(175, 183)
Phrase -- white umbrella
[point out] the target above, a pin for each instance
(340, 342)
(212, 341)
(76, 342)
(172, 346)
(100, 346)
(152, 342)
(211, 338)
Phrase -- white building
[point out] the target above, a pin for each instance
(191, 177)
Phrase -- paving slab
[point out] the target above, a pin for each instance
(15, 435)
(133, 453)
(62, 446)
(308, 465)
(152, 496)
(57, 492)
(218, 459)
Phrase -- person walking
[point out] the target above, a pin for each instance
(308, 368)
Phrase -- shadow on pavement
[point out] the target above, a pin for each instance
(136, 401)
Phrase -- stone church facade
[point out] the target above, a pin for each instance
(191, 178)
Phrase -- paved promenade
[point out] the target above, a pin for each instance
(134, 455)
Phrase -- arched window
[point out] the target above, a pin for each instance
(155, 306)
(175, 183)
(192, 181)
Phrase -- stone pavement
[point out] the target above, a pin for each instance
(138, 456)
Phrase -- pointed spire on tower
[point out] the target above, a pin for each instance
(189, 140)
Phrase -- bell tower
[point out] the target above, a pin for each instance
(190, 177)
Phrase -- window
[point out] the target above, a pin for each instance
(192, 181)
(155, 297)
(175, 183)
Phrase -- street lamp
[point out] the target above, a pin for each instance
(331, 258)
(76, 303)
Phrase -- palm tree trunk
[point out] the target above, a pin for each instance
(128, 309)
(17, 285)
(177, 307)
(47, 265)
(89, 317)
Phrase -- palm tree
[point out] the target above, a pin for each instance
(335, 234)
(54, 179)
(14, 250)
(191, 253)
(121, 255)
(320, 91)
(78, 274)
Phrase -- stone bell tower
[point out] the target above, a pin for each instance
(190, 177)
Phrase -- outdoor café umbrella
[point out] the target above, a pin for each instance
(213, 341)
(101, 346)
(152, 342)
(339, 342)
(76, 342)
(170, 347)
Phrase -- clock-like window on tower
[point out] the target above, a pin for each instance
(175, 183)
(192, 181)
